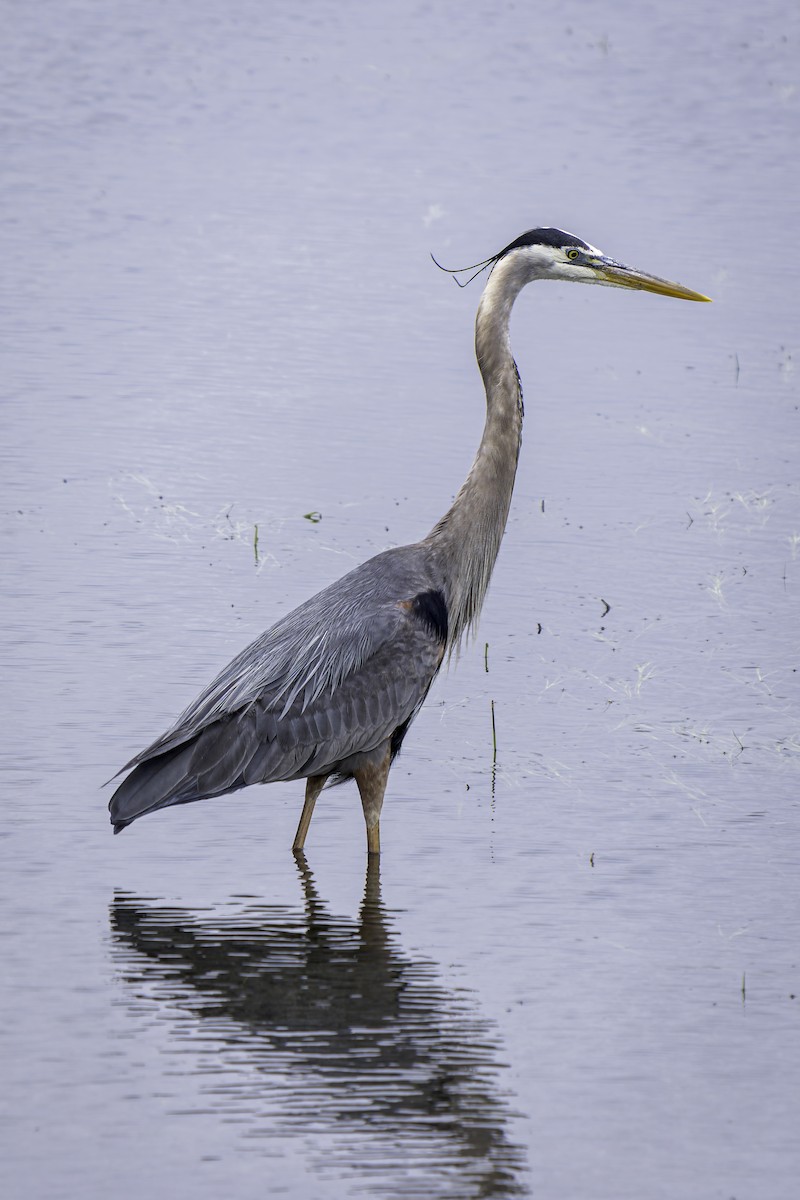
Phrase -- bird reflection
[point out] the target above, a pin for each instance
(341, 1033)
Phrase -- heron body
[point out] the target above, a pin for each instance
(329, 691)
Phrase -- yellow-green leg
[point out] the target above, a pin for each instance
(371, 782)
(314, 785)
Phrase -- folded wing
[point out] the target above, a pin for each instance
(337, 677)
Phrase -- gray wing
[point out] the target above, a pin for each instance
(338, 676)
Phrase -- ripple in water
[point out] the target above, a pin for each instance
(301, 1023)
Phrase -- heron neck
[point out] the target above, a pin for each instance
(468, 536)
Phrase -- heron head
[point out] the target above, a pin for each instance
(555, 254)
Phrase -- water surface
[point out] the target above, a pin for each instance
(577, 972)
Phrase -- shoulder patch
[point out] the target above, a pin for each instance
(430, 610)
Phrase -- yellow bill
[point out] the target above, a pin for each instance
(618, 275)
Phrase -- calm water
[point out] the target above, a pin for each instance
(576, 973)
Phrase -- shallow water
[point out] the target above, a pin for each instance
(575, 972)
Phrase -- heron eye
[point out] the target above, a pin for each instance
(573, 253)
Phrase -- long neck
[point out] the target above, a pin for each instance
(467, 538)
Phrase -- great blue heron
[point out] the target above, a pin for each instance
(331, 689)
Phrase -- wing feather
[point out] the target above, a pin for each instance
(332, 680)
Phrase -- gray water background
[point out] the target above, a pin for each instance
(577, 971)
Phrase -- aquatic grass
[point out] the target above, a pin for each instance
(494, 750)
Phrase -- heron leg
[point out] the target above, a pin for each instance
(371, 780)
(314, 785)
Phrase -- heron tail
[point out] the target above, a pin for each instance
(209, 764)
(156, 783)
